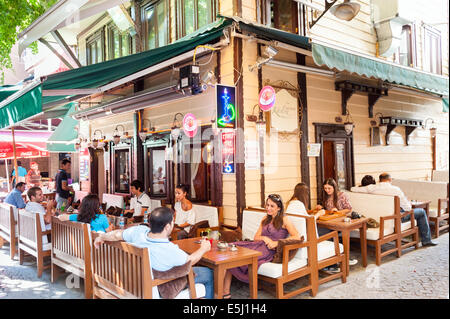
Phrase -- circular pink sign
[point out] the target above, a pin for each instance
(190, 125)
(266, 98)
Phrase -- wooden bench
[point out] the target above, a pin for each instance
(123, 271)
(436, 192)
(32, 239)
(440, 176)
(313, 254)
(71, 251)
(8, 228)
(386, 211)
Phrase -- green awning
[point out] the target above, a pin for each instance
(8, 90)
(445, 105)
(343, 61)
(62, 139)
(96, 75)
(21, 108)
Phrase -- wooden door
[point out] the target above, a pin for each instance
(336, 156)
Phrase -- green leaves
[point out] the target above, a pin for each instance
(17, 15)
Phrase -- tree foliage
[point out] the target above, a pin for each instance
(16, 16)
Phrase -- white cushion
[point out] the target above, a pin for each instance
(250, 223)
(300, 224)
(372, 233)
(405, 226)
(155, 204)
(113, 200)
(422, 190)
(325, 249)
(433, 212)
(275, 270)
(208, 213)
(440, 176)
(200, 291)
(373, 206)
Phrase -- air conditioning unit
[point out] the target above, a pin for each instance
(388, 19)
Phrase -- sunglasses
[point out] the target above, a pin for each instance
(275, 197)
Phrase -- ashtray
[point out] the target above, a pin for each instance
(233, 247)
(221, 245)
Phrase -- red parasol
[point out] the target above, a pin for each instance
(23, 149)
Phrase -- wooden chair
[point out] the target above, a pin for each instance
(8, 228)
(71, 251)
(32, 239)
(442, 214)
(386, 211)
(49, 196)
(314, 253)
(123, 271)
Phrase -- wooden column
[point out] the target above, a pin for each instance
(240, 139)
(261, 143)
(303, 122)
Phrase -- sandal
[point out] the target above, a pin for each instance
(227, 296)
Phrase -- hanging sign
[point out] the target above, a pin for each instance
(190, 125)
(228, 151)
(313, 149)
(226, 106)
(267, 98)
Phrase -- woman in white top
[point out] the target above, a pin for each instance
(184, 212)
(296, 205)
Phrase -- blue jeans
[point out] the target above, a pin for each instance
(205, 276)
(420, 216)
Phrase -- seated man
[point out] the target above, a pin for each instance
(367, 180)
(163, 254)
(15, 197)
(384, 187)
(140, 201)
(34, 205)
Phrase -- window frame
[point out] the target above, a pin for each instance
(267, 15)
(110, 30)
(428, 30)
(114, 179)
(181, 19)
(411, 47)
(94, 37)
(145, 25)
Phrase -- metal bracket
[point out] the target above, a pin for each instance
(328, 5)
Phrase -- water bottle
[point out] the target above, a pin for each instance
(63, 206)
(121, 222)
(146, 218)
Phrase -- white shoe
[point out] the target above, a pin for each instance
(353, 262)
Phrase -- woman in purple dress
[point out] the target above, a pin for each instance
(274, 226)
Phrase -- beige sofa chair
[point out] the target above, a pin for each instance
(436, 192)
(386, 211)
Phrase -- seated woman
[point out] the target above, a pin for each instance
(89, 212)
(296, 205)
(184, 212)
(336, 201)
(274, 226)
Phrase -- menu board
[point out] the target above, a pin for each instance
(84, 165)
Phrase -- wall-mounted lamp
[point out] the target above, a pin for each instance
(269, 52)
(98, 135)
(346, 10)
(176, 125)
(117, 134)
(261, 124)
(432, 126)
(348, 125)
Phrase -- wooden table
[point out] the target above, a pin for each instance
(422, 204)
(220, 261)
(345, 228)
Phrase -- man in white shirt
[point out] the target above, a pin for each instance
(140, 203)
(385, 187)
(34, 205)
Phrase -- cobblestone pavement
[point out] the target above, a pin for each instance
(421, 273)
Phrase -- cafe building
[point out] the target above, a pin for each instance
(244, 100)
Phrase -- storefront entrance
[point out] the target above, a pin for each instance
(336, 156)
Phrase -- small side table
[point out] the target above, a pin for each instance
(345, 228)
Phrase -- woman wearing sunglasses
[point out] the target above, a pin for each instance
(274, 226)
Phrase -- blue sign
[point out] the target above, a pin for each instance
(226, 106)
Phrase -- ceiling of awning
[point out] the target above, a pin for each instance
(389, 72)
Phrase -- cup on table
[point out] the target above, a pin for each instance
(347, 219)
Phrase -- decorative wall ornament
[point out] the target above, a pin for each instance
(284, 116)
